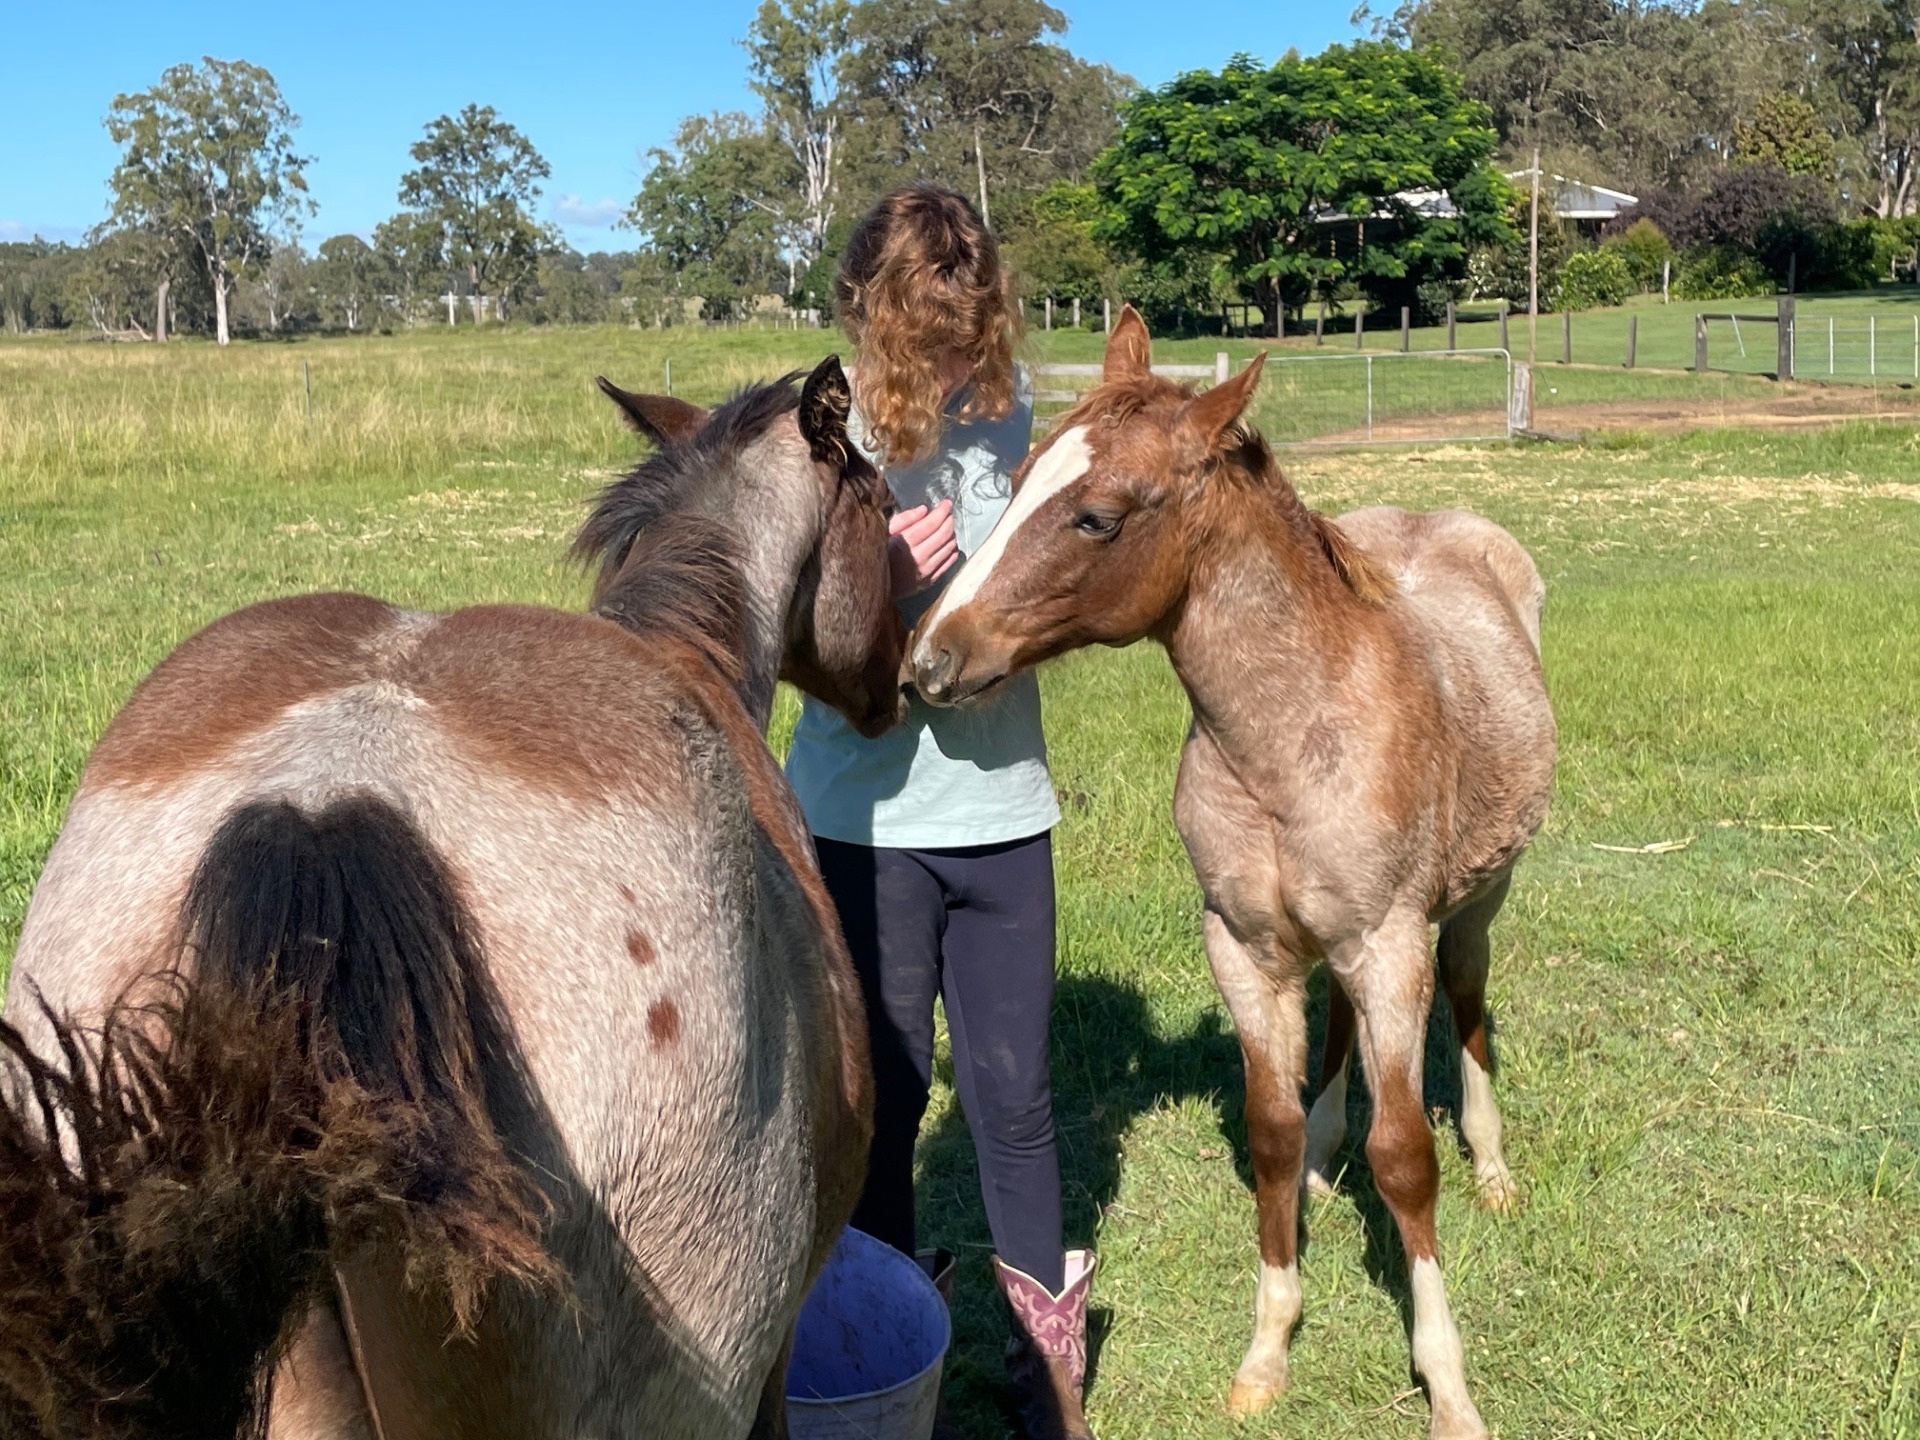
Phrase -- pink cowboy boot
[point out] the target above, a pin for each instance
(1047, 1351)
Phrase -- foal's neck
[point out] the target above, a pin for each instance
(779, 527)
(1267, 622)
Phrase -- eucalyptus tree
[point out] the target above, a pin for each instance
(476, 182)
(208, 168)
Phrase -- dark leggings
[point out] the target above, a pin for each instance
(974, 926)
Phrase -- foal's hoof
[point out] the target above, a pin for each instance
(1496, 1192)
(1317, 1185)
(1250, 1397)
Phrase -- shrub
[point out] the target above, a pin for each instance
(1645, 250)
(1720, 272)
(1593, 278)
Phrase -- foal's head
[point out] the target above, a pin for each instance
(1095, 548)
(762, 502)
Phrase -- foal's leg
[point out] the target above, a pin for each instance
(1394, 986)
(1463, 971)
(1267, 997)
(1327, 1121)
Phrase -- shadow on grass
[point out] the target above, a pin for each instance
(1112, 1064)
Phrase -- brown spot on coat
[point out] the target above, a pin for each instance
(663, 1022)
(639, 947)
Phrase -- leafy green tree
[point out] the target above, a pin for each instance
(1645, 250)
(477, 181)
(33, 278)
(1785, 131)
(974, 93)
(794, 50)
(208, 166)
(1248, 164)
(347, 277)
(412, 253)
(1055, 250)
(110, 283)
(703, 209)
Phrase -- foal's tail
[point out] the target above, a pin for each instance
(173, 1185)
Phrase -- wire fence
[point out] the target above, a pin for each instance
(1387, 398)
(1876, 348)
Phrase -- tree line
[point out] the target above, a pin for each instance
(1768, 140)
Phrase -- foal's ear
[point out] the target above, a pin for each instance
(1129, 349)
(661, 418)
(825, 402)
(1204, 420)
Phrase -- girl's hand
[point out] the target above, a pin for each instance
(921, 547)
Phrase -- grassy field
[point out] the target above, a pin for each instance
(1707, 1057)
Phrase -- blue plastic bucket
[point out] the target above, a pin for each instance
(869, 1347)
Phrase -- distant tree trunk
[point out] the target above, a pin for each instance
(160, 310)
(980, 168)
(220, 332)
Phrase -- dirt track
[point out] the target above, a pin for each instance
(1789, 405)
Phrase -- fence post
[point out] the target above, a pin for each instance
(1700, 343)
(1830, 345)
(669, 375)
(1360, 331)
(1566, 337)
(306, 383)
(1076, 312)
(1320, 325)
(1369, 397)
(1503, 329)
(1783, 367)
(1873, 348)
(1450, 344)
(1049, 312)
(1519, 397)
(1406, 328)
(1633, 338)
(1916, 347)
(1222, 367)
(1106, 316)
(1666, 281)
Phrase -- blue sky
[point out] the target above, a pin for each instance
(593, 85)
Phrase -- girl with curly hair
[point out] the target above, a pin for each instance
(936, 839)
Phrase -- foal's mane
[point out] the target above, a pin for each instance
(1245, 462)
(667, 568)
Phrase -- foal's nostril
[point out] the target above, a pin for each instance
(932, 671)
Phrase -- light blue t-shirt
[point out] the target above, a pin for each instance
(941, 777)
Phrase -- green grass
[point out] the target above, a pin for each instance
(1707, 1058)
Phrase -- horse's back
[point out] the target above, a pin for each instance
(610, 830)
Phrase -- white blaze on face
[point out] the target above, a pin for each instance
(1063, 462)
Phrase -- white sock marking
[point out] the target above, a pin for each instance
(1437, 1354)
(1480, 1122)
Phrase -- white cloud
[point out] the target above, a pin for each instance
(590, 214)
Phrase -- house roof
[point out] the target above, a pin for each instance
(1569, 199)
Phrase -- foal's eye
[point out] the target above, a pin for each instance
(1101, 527)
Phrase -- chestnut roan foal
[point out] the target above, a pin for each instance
(456, 1013)
(1371, 751)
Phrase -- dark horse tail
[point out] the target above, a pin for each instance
(174, 1184)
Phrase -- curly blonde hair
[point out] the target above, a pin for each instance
(921, 279)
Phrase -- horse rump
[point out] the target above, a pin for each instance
(305, 1079)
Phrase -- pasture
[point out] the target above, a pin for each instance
(1707, 1053)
